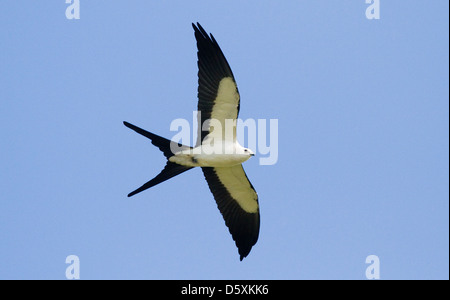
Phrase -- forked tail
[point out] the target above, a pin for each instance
(170, 170)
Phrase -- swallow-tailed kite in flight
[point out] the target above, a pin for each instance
(219, 155)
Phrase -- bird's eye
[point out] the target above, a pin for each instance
(245, 150)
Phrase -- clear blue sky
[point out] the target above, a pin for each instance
(363, 114)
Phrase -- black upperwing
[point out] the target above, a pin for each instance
(219, 99)
(237, 201)
(218, 95)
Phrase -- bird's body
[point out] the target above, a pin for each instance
(217, 151)
(221, 154)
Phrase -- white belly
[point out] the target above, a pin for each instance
(209, 157)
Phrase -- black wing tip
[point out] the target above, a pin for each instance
(244, 251)
(244, 243)
(202, 32)
(242, 256)
(198, 27)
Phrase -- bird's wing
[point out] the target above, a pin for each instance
(218, 95)
(237, 200)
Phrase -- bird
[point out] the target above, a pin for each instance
(216, 152)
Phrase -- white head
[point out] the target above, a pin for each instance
(244, 151)
(249, 152)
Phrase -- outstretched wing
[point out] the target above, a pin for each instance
(237, 200)
(218, 95)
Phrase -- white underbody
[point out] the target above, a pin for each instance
(222, 154)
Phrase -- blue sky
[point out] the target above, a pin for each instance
(363, 120)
